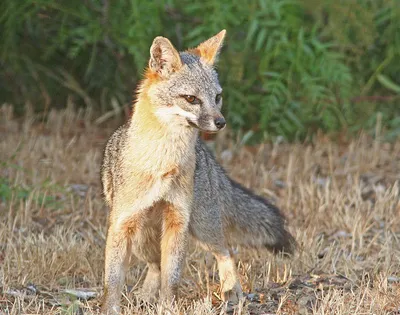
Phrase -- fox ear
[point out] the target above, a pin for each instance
(210, 49)
(164, 58)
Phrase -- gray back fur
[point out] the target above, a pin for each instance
(247, 219)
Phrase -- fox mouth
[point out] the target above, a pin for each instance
(194, 125)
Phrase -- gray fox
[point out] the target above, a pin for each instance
(162, 184)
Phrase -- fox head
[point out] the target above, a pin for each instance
(184, 88)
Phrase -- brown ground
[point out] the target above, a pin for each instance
(341, 200)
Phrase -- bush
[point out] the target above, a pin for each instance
(289, 67)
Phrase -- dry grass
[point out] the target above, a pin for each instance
(341, 201)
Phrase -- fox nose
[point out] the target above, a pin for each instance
(220, 122)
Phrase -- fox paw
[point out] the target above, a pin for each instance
(233, 296)
(149, 293)
(110, 310)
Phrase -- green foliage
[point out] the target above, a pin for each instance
(10, 191)
(289, 67)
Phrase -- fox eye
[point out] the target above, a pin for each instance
(191, 99)
(218, 98)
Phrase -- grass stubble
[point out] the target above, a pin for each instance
(341, 199)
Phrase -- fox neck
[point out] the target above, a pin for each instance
(157, 144)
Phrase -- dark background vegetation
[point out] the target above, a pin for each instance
(288, 68)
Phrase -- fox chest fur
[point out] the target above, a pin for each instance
(154, 164)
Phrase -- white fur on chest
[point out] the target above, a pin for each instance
(155, 166)
(159, 154)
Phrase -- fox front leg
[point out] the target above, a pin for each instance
(116, 262)
(173, 248)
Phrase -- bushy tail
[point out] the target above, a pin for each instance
(252, 221)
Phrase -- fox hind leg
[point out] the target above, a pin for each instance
(150, 290)
(211, 237)
(231, 290)
(230, 286)
(146, 247)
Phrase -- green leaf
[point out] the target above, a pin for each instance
(260, 39)
(388, 83)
